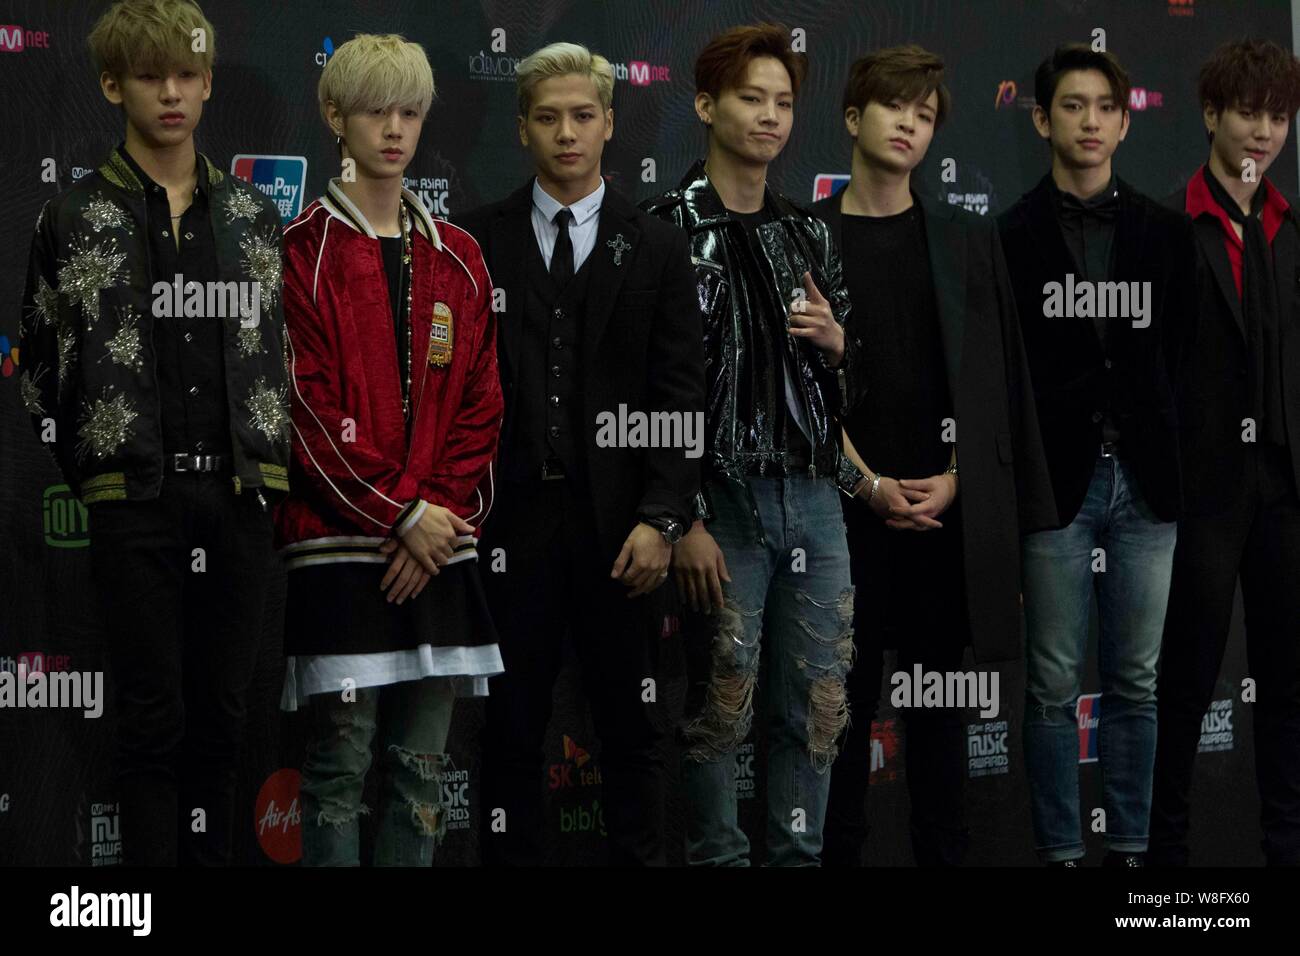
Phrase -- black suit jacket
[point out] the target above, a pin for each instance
(1152, 244)
(1214, 392)
(643, 347)
(1004, 485)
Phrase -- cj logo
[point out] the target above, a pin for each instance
(1006, 94)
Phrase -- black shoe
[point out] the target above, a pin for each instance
(1129, 860)
(1070, 863)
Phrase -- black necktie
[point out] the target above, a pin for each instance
(562, 257)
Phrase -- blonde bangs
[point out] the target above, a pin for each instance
(151, 36)
(375, 72)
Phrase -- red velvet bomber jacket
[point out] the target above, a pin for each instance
(354, 479)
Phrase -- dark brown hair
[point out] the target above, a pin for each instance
(1080, 56)
(906, 73)
(722, 63)
(1250, 74)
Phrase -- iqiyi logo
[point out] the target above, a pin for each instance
(66, 520)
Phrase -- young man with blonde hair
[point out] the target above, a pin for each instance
(599, 317)
(170, 426)
(396, 407)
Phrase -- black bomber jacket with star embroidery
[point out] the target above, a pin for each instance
(87, 354)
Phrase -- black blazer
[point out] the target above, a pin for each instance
(1066, 360)
(1004, 485)
(643, 347)
(1214, 393)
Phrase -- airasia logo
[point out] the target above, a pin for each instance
(278, 817)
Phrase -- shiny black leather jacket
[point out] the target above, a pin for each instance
(740, 310)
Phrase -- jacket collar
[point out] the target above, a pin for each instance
(124, 173)
(337, 203)
(704, 207)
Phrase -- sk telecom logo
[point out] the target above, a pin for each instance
(14, 39)
(575, 753)
(1088, 711)
(828, 184)
(282, 178)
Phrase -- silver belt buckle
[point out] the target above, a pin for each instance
(1109, 449)
(179, 461)
(547, 476)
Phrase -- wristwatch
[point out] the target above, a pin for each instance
(670, 528)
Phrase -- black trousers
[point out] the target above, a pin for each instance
(927, 625)
(557, 579)
(184, 631)
(1258, 538)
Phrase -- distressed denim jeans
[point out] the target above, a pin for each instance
(1061, 568)
(790, 595)
(412, 719)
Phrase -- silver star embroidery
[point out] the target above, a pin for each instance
(240, 205)
(87, 271)
(262, 262)
(268, 409)
(124, 348)
(249, 340)
(66, 336)
(45, 303)
(29, 389)
(106, 426)
(104, 214)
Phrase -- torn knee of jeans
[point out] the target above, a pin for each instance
(338, 819)
(728, 710)
(428, 819)
(828, 715)
(425, 766)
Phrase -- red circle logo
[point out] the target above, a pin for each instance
(278, 817)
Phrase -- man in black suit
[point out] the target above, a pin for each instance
(599, 326)
(1099, 273)
(1240, 412)
(944, 356)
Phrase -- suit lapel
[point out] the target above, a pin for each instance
(946, 241)
(1047, 238)
(616, 240)
(510, 232)
(1210, 235)
(1130, 255)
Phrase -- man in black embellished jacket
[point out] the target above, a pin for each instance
(152, 340)
(767, 550)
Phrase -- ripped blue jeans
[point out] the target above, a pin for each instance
(791, 595)
(412, 719)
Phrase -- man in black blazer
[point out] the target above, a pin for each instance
(1099, 276)
(599, 327)
(1240, 411)
(949, 380)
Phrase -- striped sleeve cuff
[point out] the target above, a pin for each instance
(409, 516)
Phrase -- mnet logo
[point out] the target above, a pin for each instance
(828, 184)
(1143, 99)
(640, 73)
(14, 39)
(1182, 8)
(282, 178)
(1088, 712)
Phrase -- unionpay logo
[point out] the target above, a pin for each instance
(282, 178)
(828, 184)
(1088, 711)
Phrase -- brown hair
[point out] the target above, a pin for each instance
(906, 73)
(153, 35)
(1250, 74)
(1080, 56)
(722, 63)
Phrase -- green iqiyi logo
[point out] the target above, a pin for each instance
(67, 523)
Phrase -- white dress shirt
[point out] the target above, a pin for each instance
(582, 231)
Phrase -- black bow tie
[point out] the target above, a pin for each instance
(1104, 209)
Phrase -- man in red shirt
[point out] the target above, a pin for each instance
(1239, 415)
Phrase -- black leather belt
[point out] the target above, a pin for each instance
(552, 469)
(1110, 449)
(187, 462)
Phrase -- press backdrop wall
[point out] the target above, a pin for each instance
(57, 795)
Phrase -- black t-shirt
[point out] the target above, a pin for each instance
(895, 315)
(391, 247)
(796, 439)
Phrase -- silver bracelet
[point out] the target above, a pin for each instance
(875, 486)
